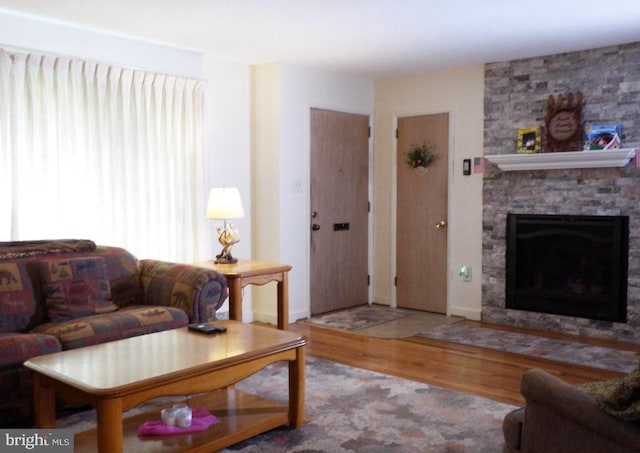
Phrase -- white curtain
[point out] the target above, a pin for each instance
(111, 154)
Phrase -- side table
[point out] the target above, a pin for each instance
(250, 272)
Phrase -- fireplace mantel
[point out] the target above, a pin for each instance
(561, 160)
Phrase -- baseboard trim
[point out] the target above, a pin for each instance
(468, 313)
(272, 318)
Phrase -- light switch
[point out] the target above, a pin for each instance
(296, 186)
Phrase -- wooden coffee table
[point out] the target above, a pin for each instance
(116, 376)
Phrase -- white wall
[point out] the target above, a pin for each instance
(459, 92)
(229, 144)
(284, 95)
(228, 140)
(20, 32)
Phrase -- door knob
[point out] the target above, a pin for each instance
(441, 224)
(315, 227)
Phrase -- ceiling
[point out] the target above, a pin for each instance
(369, 38)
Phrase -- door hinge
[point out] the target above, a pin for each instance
(395, 281)
(368, 280)
(368, 206)
(369, 132)
(397, 133)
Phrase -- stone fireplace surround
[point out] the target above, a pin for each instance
(515, 96)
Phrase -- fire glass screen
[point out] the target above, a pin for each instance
(568, 265)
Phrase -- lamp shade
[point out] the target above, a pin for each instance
(224, 203)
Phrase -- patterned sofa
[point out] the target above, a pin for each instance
(65, 294)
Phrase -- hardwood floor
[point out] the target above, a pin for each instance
(483, 372)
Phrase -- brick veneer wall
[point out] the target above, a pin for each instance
(515, 96)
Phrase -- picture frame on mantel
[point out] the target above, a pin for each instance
(529, 140)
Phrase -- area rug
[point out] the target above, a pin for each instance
(380, 321)
(535, 346)
(348, 409)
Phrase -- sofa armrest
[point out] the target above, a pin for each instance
(561, 417)
(196, 290)
(512, 431)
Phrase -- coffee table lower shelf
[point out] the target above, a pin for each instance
(241, 416)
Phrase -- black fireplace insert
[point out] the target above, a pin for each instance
(571, 265)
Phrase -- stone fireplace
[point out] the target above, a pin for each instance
(515, 96)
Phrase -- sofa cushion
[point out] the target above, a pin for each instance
(17, 300)
(15, 348)
(76, 287)
(124, 323)
(123, 274)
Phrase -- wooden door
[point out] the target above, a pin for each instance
(339, 210)
(421, 218)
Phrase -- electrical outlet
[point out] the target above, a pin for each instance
(465, 273)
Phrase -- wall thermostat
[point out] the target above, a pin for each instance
(466, 167)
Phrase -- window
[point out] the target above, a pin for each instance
(111, 154)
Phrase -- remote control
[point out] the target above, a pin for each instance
(208, 328)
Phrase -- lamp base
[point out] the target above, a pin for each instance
(227, 237)
(225, 259)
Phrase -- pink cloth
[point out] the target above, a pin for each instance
(201, 420)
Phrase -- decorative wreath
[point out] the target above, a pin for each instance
(420, 155)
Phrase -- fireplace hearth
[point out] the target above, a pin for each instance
(571, 265)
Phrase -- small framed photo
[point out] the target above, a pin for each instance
(529, 140)
(603, 136)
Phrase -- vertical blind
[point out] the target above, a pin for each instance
(89, 150)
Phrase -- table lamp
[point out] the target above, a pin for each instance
(224, 204)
